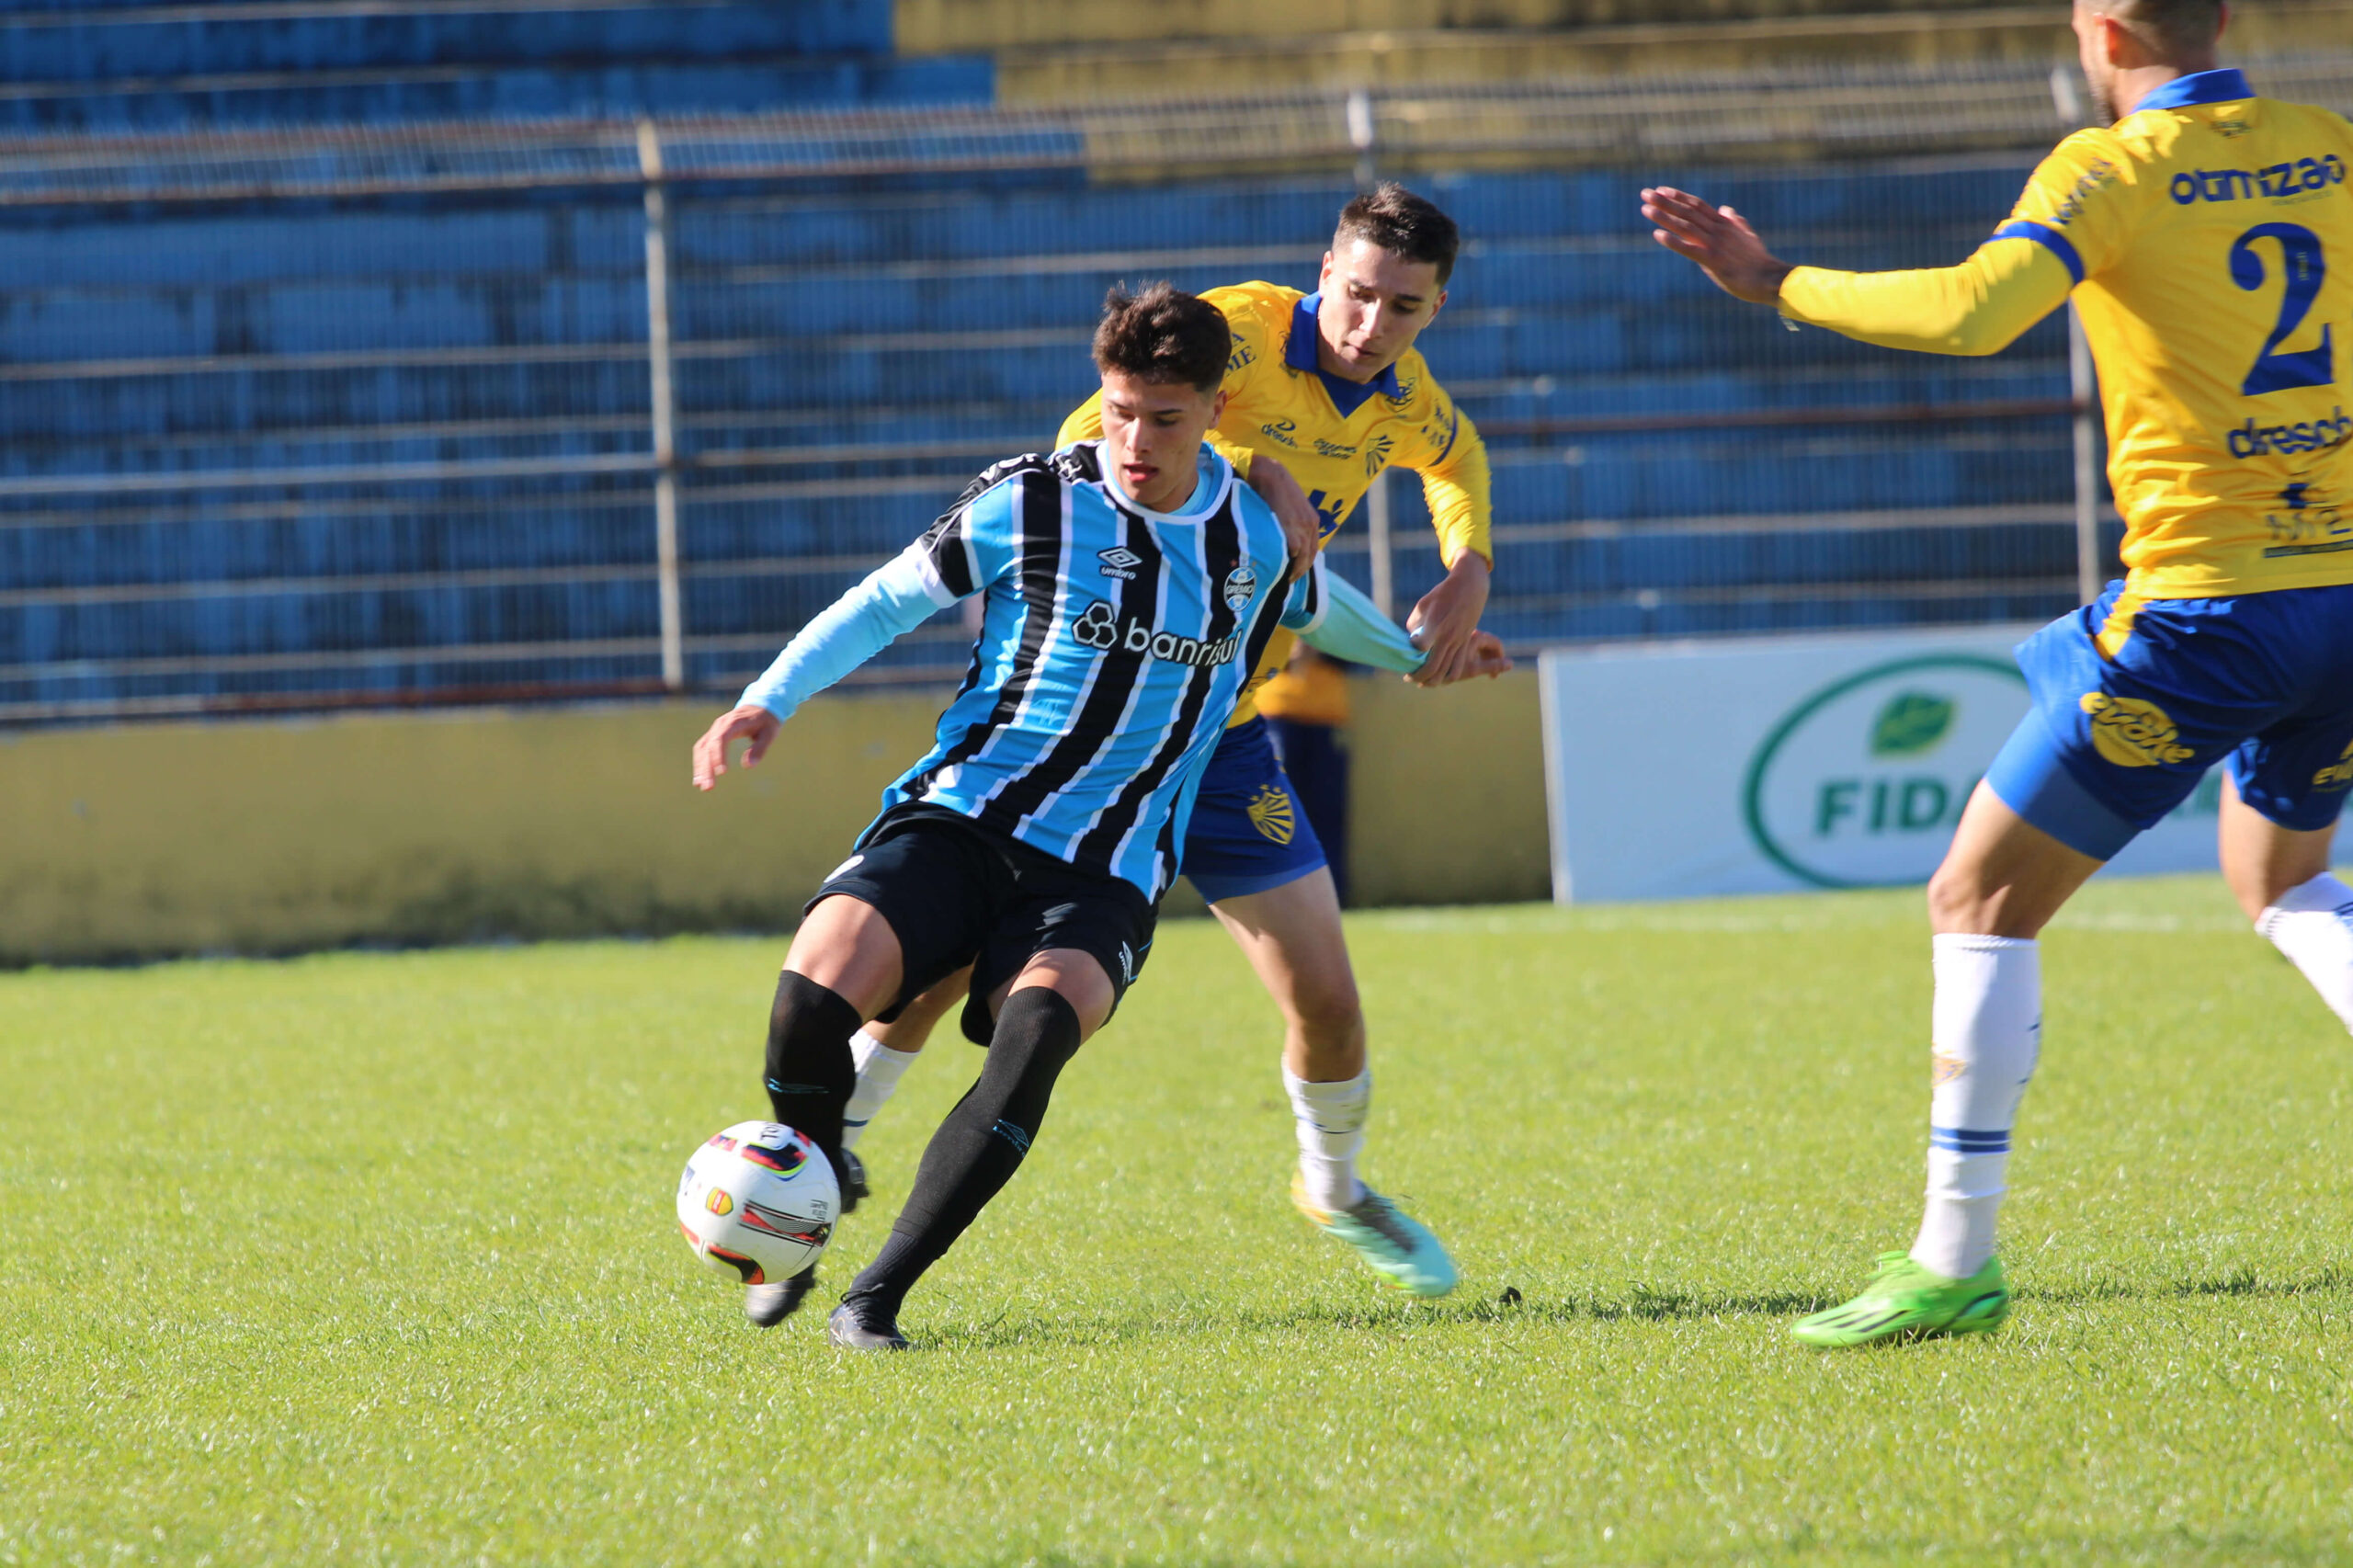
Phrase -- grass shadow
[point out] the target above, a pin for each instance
(1006, 1330)
(2239, 1282)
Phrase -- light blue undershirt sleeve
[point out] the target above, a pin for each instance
(899, 597)
(1350, 627)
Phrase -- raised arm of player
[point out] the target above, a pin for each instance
(1979, 307)
(955, 559)
(1455, 482)
(2071, 220)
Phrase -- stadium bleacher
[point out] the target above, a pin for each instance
(119, 65)
(281, 450)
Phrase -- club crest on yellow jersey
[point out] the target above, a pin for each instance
(2132, 733)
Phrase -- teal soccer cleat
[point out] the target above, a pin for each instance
(1392, 1242)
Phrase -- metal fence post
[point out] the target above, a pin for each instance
(1362, 129)
(1360, 137)
(665, 454)
(2082, 389)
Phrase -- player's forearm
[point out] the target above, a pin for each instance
(1979, 307)
(1353, 629)
(895, 600)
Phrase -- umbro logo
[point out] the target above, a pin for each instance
(1119, 561)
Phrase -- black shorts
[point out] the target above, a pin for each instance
(957, 893)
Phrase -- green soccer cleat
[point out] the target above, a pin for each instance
(1391, 1242)
(1905, 1301)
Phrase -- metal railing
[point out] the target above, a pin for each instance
(667, 464)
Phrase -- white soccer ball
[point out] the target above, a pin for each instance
(758, 1202)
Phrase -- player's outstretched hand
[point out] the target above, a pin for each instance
(1301, 525)
(756, 724)
(1720, 240)
(1483, 656)
(1446, 619)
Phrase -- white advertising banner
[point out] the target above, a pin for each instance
(1775, 765)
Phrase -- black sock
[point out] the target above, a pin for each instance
(980, 1146)
(810, 1070)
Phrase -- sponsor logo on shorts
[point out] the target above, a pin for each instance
(1099, 627)
(1271, 814)
(2131, 732)
(1119, 561)
(1944, 1068)
(1126, 964)
(844, 868)
(2337, 775)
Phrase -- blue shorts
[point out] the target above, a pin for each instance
(1247, 834)
(2116, 740)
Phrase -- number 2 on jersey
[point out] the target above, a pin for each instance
(2301, 258)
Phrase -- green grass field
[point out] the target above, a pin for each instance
(368, 1258)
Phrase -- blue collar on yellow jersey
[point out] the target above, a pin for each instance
(2228, 85)
(1347, 396)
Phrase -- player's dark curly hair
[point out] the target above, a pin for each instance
(1163, 333)
(1403, 225)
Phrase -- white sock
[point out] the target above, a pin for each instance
(2313, 926)
(1987, 1030)
(1331, 1119)
(878, 1067)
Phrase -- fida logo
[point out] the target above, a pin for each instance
(1859, 785)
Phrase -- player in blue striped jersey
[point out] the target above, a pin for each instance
(1127, 586)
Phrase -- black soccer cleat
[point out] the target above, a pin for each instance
(861, 1325)
(768, 1306)
(851, 1170)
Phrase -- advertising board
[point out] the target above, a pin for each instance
(1778, 765)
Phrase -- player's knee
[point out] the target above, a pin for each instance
(1036, 1033)
(1956, 898)
(1328, 1014)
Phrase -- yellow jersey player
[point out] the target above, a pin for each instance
(1331, 387)
(2207, 236)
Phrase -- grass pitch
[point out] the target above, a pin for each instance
(368, 1258)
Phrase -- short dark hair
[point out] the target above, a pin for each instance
(2172, 26)
(1403, 224)
(1163, 333)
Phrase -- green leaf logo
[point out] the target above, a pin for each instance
(1912, 722)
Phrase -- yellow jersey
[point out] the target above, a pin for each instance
(1333, 435)
(2197, 235)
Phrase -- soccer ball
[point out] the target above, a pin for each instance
(758, 1202)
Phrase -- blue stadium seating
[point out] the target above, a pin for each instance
(449, 350)
(119, 67)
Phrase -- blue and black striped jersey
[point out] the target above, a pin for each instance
(1114, 644)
